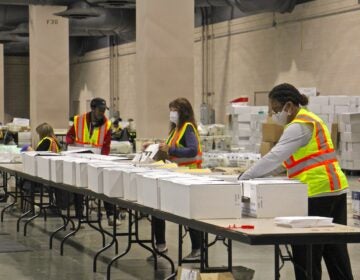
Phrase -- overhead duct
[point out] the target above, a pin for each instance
(79, 10)
(7, 38)
(211, 3)
(250, 6)
(6, 27)
(36, 2)
(114, 4)
(21, 30)
(16, 48)
(111, 22)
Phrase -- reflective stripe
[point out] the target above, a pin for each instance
(291, 162)
(186, 160)
(52, 145)
(172, 133)
(310, 163)
(319, 132)
(83, 133)
(101, 135)
(333, 177)
(175, 137)
(80, 128)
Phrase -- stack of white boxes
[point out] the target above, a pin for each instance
(349, 127)
(197, 197)
(269, 198)
(214, 138)
(328, 108)
(245, 126)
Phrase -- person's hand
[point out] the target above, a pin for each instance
(26, 148)
(145, 145)
(164, 147)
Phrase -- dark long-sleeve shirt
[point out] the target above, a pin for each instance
(70, 136)
(189, 143)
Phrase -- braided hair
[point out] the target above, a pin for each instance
(286, 92)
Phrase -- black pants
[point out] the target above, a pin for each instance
(79, 206)
(159, 232)
(336, 256)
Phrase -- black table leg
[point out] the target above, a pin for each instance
(277, 264)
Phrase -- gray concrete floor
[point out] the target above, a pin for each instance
(42, 263)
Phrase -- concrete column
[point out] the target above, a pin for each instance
(2, 95)
(49, 66)
(164, 61)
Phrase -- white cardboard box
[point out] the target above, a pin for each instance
(113, 181)
(95, 176)
(56, 165)
(44, 167)
(350, 155)
(81, 176)
(245, 117)
(130, 183)
(349, 118)
(148, 190)
(349, 137)
(339, 100)
(327, 109)
(69, 171)
(322, 100)
(200, 199)
(325, 118)
(269, 198)
(350, 146)
(30, 162)
(242, 110)
(352, 128)
(315, 108)
(339, 109)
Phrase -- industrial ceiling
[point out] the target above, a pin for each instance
(93, 23)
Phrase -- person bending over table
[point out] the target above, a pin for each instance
(306, 151)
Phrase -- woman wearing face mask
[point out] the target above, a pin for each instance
(307, 152)
(183, 147)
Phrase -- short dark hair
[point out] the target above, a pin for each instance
(286, 92)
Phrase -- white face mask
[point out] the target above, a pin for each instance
(280, 117)
(174, 117)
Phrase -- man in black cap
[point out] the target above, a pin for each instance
(92, 129)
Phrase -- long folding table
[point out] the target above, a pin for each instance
(261, 232)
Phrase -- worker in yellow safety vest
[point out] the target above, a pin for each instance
(48, 141)
(92, 130)
(306, 151)
(184, 148)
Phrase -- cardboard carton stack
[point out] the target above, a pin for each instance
(349, 127)
(241, 160)
(245, 126)
(328, 108)
(271, 134)
(214, 138)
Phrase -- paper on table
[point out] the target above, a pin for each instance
(304, 221)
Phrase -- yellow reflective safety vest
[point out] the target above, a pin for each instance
(53, 147)
(82, 132)
(316, 164)
(174, 140)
